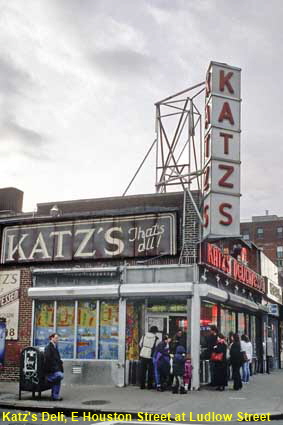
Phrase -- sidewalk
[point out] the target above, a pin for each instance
(262, 395)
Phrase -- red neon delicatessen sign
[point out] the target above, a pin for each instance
(214, 257)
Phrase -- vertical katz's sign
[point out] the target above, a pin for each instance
(221, 181)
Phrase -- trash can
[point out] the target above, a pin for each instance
(32, 374)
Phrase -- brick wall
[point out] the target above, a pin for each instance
(10, 371)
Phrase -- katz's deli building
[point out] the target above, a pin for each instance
(101, 272)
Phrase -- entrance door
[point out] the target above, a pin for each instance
(167, 323)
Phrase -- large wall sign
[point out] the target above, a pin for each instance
(9, 301)
(221, 181)
(225, 263)
(274, 292)
(131, 236)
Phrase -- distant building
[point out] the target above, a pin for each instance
(266, 232)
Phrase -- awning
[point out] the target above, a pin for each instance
(156, 289)
(216, 294)
(242, 302)
(74, 292)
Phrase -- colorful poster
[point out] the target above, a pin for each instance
(109, 331)
(2, 341)
(9, 301)
(65, 321)
(44, 322)
(132, 332)
(86, 338)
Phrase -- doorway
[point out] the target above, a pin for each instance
(167, 323)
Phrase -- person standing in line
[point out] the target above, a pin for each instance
(211, 341)
(161, 364)
(179, 370)
(269, 352)
(147, 346)
(236, 362)
(188, 372)
(54, 366)
(246, 346)
(220, 366)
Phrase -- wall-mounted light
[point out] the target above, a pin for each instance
(54, 212)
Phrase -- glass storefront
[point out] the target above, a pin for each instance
(86, 332)
(44, 322)
(97, 326)
(133, 318)
(208, 317)
(241, 324)
(65, 323)
(228, 321)
(109, 331)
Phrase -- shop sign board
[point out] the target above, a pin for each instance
(125, 236)
(221, 181)
(9, 301)
(273, 309)
(225, 263)
(274, 292)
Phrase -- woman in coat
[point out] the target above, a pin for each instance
(220, 365)
(236, 360)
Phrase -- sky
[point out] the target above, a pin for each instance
(79, 79)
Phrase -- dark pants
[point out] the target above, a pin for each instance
(212, 373)
(146, 367)
(236, 377)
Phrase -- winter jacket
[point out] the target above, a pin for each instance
(188, 372)
(236, 358)
(52, 359)
(179, 361)
(147, 345)
(248, 348)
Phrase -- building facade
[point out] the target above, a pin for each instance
(100, 272)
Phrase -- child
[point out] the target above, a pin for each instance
(178, 370)
(188, 373)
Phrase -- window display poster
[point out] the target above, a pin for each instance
(44, 322)
(132, 332)
(65, 320)
(109, 331)
(86, 337)
(9, 301)
(2, 341)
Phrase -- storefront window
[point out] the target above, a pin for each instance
(253, 334)
(208, 317)
(241, 324)
(132, 331)
(65, 320)
(208, 314)
(228, 321)
(86, 333)
(108, 331)
(44, 322)
(247, 324)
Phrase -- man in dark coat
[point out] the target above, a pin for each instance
(54, 366)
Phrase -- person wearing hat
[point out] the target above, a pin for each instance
(147, 346)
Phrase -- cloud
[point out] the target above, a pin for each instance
(123, 63)
(17, 139)
(12, 78)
